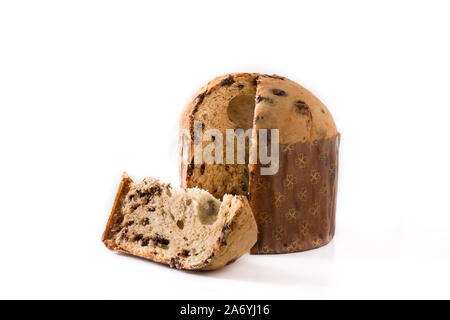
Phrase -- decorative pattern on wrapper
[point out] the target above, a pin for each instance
(295, 209)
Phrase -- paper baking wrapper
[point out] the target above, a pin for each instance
(295, 209)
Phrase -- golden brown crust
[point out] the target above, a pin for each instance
(115, 217)
(299, 115)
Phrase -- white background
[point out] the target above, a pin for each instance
(89, 89)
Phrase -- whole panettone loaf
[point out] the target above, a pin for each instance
(294, 208)
(185, 228)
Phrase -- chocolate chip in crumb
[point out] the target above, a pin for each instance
(202, 168)
(145, 221)
(175, 263)
(124, 235)
(155, 190)
(225, 230)
(226, 226)
(145, 241)
(279, 92)
(158, 240)
(184, 253)
(138, 237)
(227, 81)
(134, 207)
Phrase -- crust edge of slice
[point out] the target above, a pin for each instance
(115, 217)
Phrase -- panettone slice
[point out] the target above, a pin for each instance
(187, 229)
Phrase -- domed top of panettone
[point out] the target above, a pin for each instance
(275, 103)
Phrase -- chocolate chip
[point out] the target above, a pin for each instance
(190, 169)
(184, 253)
(227, 167)
(158, 240)
(261, 98)
(258, 118)
(200, 98)
(155, 190)
(202, 168)
(138, 237)
(145, 221)
(225, 230)
(227, 82)
(175, 263)
(279, 92)
(301, 107)
(134, 207)
(145, 241)
(240, 86)
(124, 235)
(131, 197)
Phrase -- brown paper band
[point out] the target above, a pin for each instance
(295, 208)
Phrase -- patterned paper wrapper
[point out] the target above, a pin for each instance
(295, 209)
